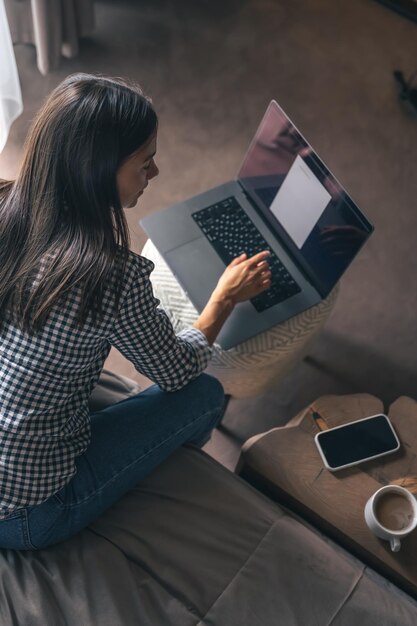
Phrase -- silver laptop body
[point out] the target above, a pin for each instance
(297, 206)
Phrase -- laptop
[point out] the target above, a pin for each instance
(284, 200)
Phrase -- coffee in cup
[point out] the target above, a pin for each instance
(394, 511)
(391, 513)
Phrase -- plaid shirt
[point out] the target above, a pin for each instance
(46, 381)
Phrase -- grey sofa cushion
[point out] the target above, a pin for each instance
(111, 388)
(194, 544)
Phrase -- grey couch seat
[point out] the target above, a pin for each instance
(193, 544)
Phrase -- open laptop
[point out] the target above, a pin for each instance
(284, 200)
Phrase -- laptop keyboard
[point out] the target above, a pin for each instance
(231, 232)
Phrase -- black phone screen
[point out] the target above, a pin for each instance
(358, 440)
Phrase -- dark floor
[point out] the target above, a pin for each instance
(211, 68)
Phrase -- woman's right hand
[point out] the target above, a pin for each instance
(243, 278)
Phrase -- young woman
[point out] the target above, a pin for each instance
(70, 288)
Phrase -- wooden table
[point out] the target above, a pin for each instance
(285, 464)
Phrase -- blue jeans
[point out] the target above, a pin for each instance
(128, 440)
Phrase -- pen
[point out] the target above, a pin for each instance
(320, 423)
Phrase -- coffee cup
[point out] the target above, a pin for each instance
(391, 514)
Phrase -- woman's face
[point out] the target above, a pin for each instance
(135, 173)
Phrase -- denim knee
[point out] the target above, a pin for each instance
(210, 392)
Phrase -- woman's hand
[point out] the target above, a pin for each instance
(243, 279)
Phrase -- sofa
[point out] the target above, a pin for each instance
(194, 544)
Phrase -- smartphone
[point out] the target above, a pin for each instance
(356, 442)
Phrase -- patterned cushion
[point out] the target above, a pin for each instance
(255, 365)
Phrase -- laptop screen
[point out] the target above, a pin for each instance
(301, 199)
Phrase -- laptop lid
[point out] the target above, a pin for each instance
(302, 201)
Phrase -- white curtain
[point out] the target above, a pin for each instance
(53, 26)
(11, 104)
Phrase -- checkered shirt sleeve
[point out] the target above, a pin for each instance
(144, 334)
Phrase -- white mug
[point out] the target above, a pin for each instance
(387, 519)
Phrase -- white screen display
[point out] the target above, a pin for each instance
(300, 202)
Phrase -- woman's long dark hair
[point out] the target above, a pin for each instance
(61, 220)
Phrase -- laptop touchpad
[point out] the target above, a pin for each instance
(197, 268)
